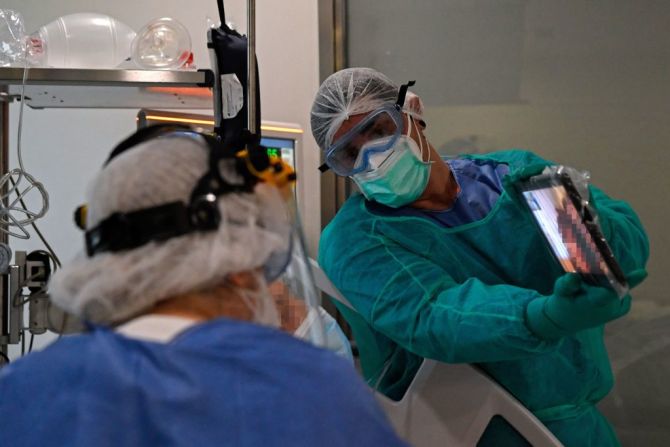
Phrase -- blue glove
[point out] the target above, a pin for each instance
(574, 306)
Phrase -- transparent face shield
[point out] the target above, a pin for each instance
(372, 137)
(283, 292)
(258, 244)
(292, 287)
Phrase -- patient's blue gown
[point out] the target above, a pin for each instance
(221, 383)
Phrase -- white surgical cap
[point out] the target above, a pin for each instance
(349, 92)
(110, 287)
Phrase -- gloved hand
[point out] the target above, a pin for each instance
(572, 307)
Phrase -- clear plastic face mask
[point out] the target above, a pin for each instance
(162, 44)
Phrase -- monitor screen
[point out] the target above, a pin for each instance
(283, 148)
(279, 139)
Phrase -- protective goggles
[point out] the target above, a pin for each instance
(376, 134)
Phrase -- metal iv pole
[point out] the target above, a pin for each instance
(4, 168)
(251, 66)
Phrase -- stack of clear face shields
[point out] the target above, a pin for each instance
(12, 38)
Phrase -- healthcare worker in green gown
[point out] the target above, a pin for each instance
(441, 260)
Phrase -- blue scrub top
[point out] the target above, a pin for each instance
(480, 185)
(218, 383)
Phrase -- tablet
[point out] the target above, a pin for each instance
(569, 225)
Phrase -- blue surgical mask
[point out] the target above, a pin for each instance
(399, 178)
(334, 341)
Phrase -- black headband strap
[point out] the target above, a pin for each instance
(402, 93)
(143, 135)
(123, 231)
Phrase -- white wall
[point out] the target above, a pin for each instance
(65, 148)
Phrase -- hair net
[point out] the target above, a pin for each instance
(348, 92)
(113, 286)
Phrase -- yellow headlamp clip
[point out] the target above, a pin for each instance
(81, 216)
(277, 173)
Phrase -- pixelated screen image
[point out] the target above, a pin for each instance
(562, 225)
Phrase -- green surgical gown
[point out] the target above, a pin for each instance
(459, 295)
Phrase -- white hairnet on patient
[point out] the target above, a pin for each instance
(350, 92)
(112, 286)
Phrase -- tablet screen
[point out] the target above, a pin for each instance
(571, 241)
